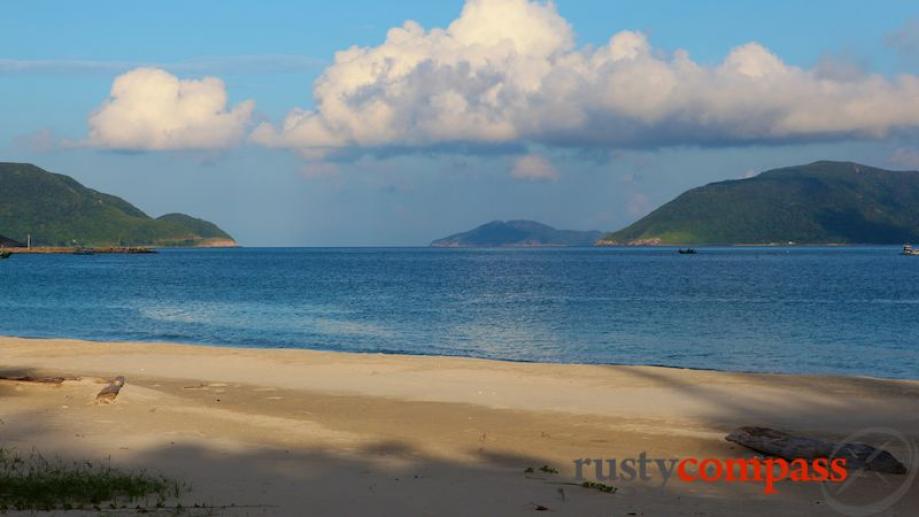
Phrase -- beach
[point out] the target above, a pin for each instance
(287, 432)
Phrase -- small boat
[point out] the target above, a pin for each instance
(84, 251)
(5, 254)
(909, 251)
(687, 251)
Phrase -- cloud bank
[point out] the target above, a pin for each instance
(152, 110)
(508, 72)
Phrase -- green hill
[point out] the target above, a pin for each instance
(518, 234)
(56, 210)
(820, 203)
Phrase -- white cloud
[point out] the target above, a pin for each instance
(533, 167)
(507, 72)
(151, 109)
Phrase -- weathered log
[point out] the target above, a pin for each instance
(859, 456)
(39, 380)
(110, 391)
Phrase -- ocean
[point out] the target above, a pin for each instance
(841, 310)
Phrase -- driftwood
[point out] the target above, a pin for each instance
(110, 391)
(859, 456)
(39, 380)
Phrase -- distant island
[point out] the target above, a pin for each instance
(821, 203)
(56, 210)
(517, 234)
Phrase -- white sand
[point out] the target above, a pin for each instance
(293, 432)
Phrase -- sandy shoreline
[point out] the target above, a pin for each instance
(290, 432)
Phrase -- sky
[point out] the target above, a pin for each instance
(367, 123)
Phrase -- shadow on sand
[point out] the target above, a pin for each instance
(483, 475)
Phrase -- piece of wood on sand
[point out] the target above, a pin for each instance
(859, 456)
(39, 380)
(110, 391)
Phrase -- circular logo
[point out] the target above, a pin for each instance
(887, 489)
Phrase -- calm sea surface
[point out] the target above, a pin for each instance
(818, 310)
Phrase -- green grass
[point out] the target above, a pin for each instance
(600, 486)
(34, 482)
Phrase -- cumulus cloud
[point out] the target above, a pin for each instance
(533, 167)
(508, 72)
(151, 109)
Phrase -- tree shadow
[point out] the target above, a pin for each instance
(480, 470)
(830, 406)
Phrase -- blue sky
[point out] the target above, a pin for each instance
(417, 176)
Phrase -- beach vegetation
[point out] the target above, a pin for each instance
(599, 486)
(33, 482)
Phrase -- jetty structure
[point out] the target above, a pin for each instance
(80, 250)
(10, 246)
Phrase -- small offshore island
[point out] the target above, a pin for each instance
(47, 213)
(517, 234)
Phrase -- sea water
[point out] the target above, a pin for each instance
(852, 310)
